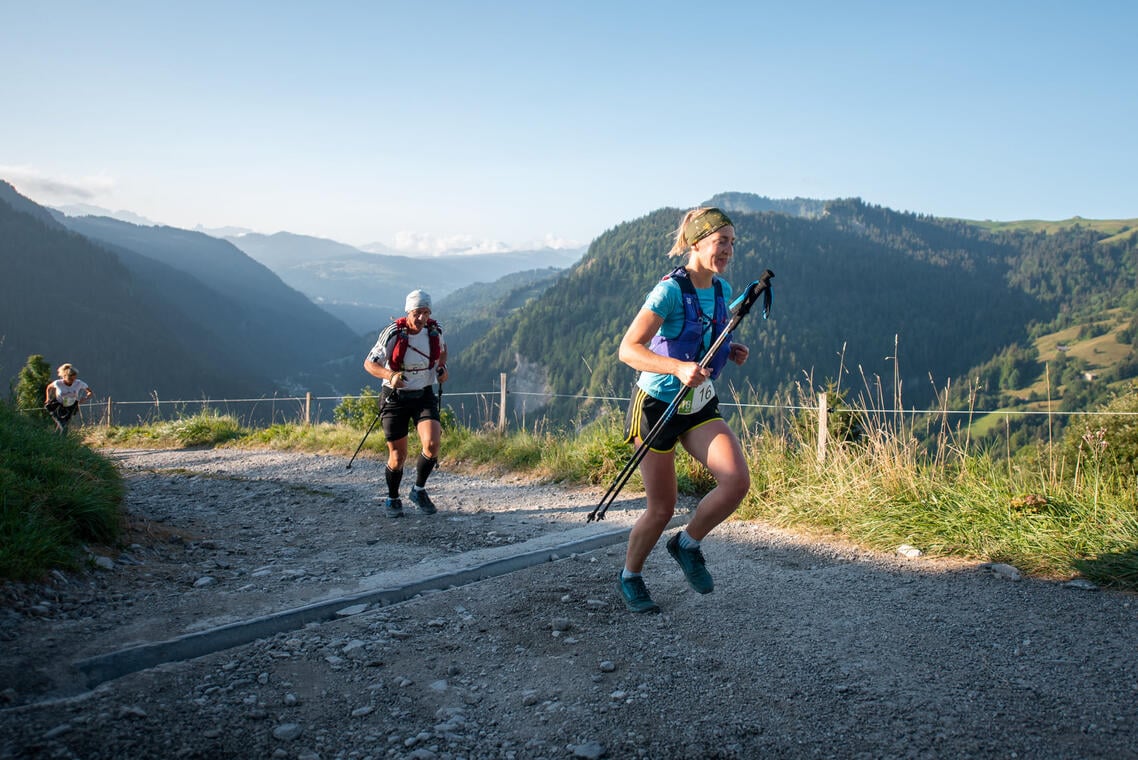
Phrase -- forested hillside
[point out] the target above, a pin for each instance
(149, 311)
(848, 284)
(866, 299)
(71, 300)
(259, 323)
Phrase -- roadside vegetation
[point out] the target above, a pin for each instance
(1062, 510)
(56, 495)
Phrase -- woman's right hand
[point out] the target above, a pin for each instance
(692, 375)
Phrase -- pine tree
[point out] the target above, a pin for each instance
(29, 388)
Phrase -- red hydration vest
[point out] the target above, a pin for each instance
(399, 350)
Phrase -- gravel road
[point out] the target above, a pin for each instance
(804, 650)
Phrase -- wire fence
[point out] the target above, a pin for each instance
(476, 408)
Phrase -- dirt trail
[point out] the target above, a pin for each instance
(804, 649)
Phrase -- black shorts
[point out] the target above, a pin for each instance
(644, 411)
(59, 411)
(399, 408)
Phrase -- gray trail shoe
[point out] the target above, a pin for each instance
(691, 562)
(394, 507)
(421, 500)
(635, 594)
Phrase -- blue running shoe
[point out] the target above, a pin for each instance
(692, 563)
(420, 499)
(394, 507)
(635, 594)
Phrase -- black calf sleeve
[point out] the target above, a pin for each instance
(423, 467)
(394, 478)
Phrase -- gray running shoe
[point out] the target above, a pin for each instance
(691, 561)
(421, 500)
(635, 594)
(394, 507)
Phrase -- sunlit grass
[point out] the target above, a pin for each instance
(885, 490)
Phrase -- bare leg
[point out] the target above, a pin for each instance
(659, 474)
(430, 436)
(397, 453)
(717, 448)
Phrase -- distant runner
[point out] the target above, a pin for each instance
(63, 396)
(410, 357)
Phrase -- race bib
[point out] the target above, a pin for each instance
(696, 398)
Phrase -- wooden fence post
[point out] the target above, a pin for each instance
(107, 419)
(823, 427)
(502, 405)
(307, 408)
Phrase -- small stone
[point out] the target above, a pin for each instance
(355, 609)
(905, 550)
(205, 580)
(104, 563)
(288, 732)
(607, 666)
(560, 624)
(1002, 570)
(590, 750)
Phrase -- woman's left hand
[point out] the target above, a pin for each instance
(738, 353)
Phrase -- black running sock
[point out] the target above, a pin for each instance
(394, 478)
(423, 467)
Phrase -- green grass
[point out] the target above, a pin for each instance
(884, 491)
(55, 494)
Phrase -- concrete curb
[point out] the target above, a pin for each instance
(107, 667)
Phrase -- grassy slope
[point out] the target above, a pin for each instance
(1100, 353)
(1114, 227)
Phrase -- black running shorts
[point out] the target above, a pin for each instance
(399, 408)
(644, 411)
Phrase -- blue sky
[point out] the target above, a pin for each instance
(522, 123)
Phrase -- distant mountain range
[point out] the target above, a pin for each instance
(363, 286)
(366, 289)
(148, 311)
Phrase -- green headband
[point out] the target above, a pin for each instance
(704, 224)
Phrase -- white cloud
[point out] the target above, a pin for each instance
(47, 189)
(426, 244)
(555, 242)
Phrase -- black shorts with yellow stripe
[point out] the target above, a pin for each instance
(644, 411)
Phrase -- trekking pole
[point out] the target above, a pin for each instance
(369, 427)
(739, 309)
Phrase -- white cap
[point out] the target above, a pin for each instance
(417, 299)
